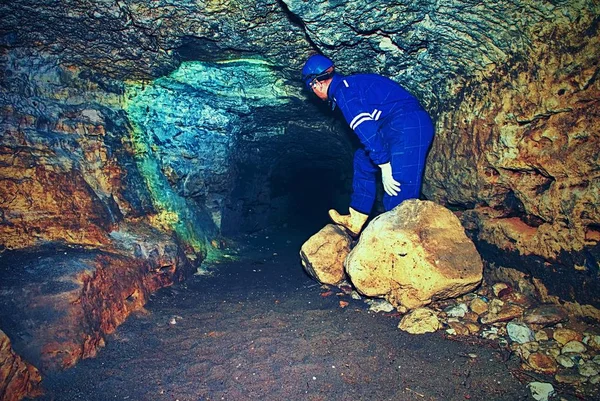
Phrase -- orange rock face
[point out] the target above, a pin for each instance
(54, 187)
(77, 259)
(88, 295)
(18, 379)
(520, 149)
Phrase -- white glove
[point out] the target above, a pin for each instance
(390, 185)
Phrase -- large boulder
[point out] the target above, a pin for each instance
(323, 254)
(413, 254)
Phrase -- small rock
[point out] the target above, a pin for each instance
(472, 327)
(478, 306)
(471, 317)
(574, 347)
(420, 321)
(490, 334)
(565, 361)
(541, 335)
(356, 295)
(495, 305)
(457, 311)
(563, 336)
(458, 329)
(545, 315)
(596, 359)
(542, 363)
(595, 379)
(379, 305)
(568, 377)
(508, 312)
(589, 369)
(594, 342)
(541, 391)
(524, 350)
(519, 332)
(518, 298)
(554, 352)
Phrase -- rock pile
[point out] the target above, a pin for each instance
(411, 255)
(544, 337)
(404, 249)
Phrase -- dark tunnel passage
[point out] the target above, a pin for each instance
(312, 192)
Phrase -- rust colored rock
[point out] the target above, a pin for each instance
(517, 298)
(76, 298)
(43, 205)
(413, 254)
(324, 253)
(563, 336)
(542, 363)
(508, 312)
(18, 379)
(459, 329)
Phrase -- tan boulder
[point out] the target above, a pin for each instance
(414, 254)
(420, 321)
(323, 254)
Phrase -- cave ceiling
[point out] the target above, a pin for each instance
(423, 44)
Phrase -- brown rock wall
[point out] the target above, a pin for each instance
(64, 303)
(521, 146)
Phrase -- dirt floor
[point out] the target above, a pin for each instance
(258, 328)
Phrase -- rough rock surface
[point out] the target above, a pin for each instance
(58, 306)
(18, 379)
(413, 254)
(324, 253)
(520, 153)
(513, 86)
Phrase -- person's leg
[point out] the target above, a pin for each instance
(410, 137)
(364, 184)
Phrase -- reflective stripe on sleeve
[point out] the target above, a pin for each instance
(362, 117)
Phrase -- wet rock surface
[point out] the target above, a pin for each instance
(259, 328)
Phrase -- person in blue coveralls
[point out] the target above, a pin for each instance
(393, 127)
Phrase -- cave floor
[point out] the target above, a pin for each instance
(258, 328)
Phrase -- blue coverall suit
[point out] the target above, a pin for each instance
(392, 126)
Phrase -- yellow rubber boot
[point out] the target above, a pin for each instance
(352, 222)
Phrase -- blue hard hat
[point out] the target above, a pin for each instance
(315, 67)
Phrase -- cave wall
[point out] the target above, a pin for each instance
(518, 152)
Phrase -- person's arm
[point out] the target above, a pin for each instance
(362, 119)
